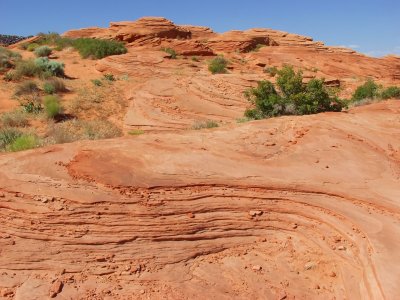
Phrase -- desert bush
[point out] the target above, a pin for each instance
(195, 58)
(171, 52)
(97, 49)
(218, 65)
(52, 106)
(8, 59)
(26, 88)
(8, 136)
(54, 39)
(32, 107)
(26, 68)
(109, 77)
(97, 82)
(17, 118)
(391, 92)
(74, 130)
(271, 71)
(23, 142)
(53, 86)
(292, 98)
(42, 51)
(204, 124)
(54, 68)
(32, 47)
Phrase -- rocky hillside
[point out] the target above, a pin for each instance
(292, 207)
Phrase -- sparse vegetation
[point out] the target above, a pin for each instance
(24, 142)
(371, 92)
(8, 136)
(218, 65)
(109, 77)
(271, 71)
(74, 130)
(97, 82)
(32, 47)
(293, 97)
(16, 118)
(42, 51)
(53, 86)
(204, 124)
(195, 58)
(8, 59)
(391, 92)
(27, 87)
(171, 52)
(52, 106)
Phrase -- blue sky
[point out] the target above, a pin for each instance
(368, 26)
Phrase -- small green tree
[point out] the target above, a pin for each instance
(369, 90)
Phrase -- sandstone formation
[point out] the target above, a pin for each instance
(299, 207)
(172, 215)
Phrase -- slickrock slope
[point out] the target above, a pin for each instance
(287, 208)
(174, 94)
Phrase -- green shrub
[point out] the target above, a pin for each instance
(8, 59)
(204, 124)
(368, 90)
(26, 88)
(54, 39)
(171, 52)
(53, 86)
(109, 77)
(97, 49)
(32, 47)
(42, 51)
(54, 68)
(391, 92)
(195, 58)
(293, 97)
(52, 106)
(15, 118)
(97, 82)
(218, 65)
(24, 142)
(8, 136)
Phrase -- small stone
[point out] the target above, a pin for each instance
(56, 288)
(341, 248)
(310, 266)
(332, 274)
(254, 213)
(316, 287)
(100, 259)
(191, 215)
(127, 267)
(19, 195)
(7, 293)
(295, 226)
(142, 291)
(2, 195)
(256, 268)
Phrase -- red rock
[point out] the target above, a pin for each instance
(56, 288)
